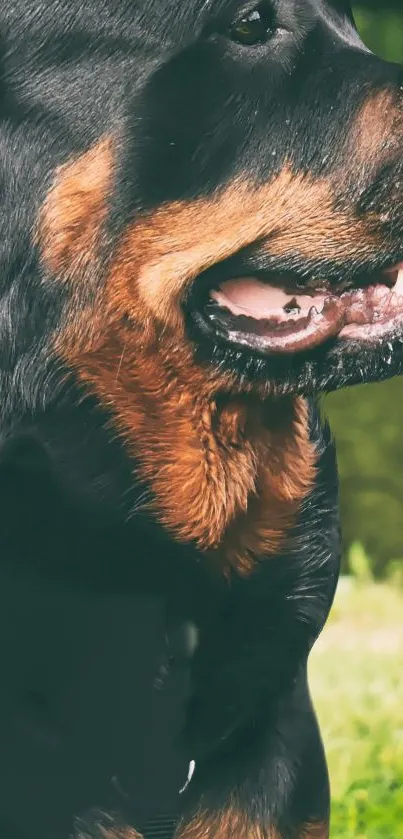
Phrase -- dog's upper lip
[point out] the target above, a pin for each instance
(272, 318)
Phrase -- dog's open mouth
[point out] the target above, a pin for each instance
(280, 315)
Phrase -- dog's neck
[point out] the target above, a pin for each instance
(227, 472)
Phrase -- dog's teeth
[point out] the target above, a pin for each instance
(398, 287)
(317, 284)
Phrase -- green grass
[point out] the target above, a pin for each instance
(356, 677)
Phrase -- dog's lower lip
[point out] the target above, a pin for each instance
(269, 320)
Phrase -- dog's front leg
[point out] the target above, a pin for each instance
(268, 782)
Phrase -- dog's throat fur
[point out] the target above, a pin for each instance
(226, 473)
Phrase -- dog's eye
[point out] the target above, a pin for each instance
(253, 28)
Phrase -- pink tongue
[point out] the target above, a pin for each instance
(261, 301)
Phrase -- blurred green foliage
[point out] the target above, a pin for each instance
(382, 29)
(357, 686)
(368, 425)
(356, 666)
(368, 421)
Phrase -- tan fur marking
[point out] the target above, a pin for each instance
(169, 248)
(234, 824)
(74, 211)
(228, 477)
(227, 824)
(287, 470)
(374, 125)
(163, 251)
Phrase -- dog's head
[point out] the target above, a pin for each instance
(253, 196)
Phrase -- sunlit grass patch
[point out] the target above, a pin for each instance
(357, 684)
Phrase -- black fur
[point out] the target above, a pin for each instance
(99, 705)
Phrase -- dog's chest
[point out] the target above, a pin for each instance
(94, 696)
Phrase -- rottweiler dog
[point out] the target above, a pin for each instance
(201, 231)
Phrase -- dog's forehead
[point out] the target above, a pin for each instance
(217, 7)
(202, 10)
(175, 23)
(158, 22)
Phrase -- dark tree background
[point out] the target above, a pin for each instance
(368, 421)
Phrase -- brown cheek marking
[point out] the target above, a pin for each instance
(374, 132)
(74, 211)
(162, 252)
(167, 249)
